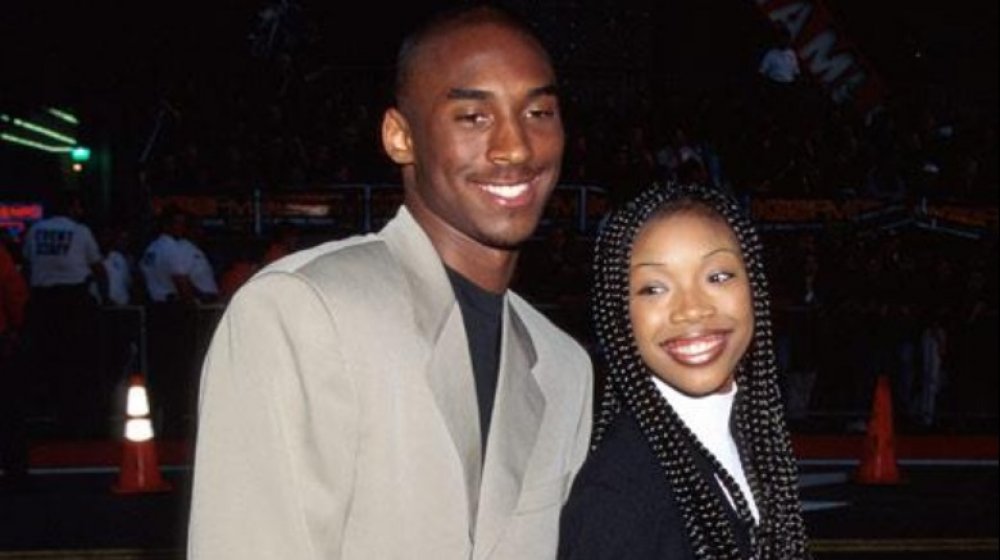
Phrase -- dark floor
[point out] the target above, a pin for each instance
(943, 510)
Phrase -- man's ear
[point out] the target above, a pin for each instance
(396, 138)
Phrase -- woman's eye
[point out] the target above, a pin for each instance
(720, 277)
(651, 290)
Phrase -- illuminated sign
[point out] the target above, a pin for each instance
(20, 212)
(15, 217)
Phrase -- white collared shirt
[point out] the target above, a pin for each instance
(198, 268)
(162, 260)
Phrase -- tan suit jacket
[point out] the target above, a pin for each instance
(338, 416)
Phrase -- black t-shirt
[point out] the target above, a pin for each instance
(481, 313)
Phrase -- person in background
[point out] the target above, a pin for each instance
(248, 260)
(203, 316)
(117, 266)
(241, 269)
(120, 324)
(172, 313)
(284, 241)
(933, 349)
(691, 457)
(198, 268)
(164, 265)
(13, 298)
(780, 64)
(61, 319)
(388, 396)
(13, 385)
(779, 71)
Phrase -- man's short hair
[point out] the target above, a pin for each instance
(450, 20)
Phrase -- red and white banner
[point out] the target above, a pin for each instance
(825, 53)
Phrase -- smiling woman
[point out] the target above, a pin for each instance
(690, 455)
(689, 299)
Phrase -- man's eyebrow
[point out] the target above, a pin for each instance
(468, 93)
(550, 89)
(481, 94)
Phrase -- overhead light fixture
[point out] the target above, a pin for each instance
(63, 116)
(36, 145)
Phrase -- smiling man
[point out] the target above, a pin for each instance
(387, 396)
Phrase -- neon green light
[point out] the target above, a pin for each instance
(44, 131)
(63, 115)
(80, 153)
(32, 144)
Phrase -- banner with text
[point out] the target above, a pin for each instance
(826, 54)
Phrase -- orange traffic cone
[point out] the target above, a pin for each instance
(140, 471)
(878, 458)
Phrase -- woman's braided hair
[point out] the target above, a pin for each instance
(759, 426)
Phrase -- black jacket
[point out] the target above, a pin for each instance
(621, 506)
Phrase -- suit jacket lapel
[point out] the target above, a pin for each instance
(449, 375)
(439, 322)
(517, 416)
(433, 298)
(519, 405)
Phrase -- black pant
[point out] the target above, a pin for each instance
(60, 339)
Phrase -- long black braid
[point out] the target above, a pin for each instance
(759, 425)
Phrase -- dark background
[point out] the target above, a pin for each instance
(205, 72)
(112, 61)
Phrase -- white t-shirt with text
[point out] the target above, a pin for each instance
(60, 252)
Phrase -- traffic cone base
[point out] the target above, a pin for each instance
(140, 471)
